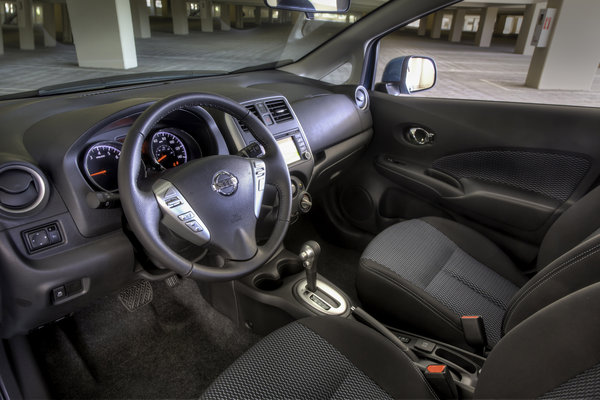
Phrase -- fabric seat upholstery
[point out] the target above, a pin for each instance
(554, 353)
(321, 358)
(424, 274)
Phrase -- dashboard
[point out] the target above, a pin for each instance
(63, 237)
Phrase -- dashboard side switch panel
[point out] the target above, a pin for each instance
(42, 237)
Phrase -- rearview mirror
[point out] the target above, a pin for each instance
(407, 74)
(311, 6)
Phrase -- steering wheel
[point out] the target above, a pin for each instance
(213, 201)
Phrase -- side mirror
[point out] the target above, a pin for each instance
(310, 6)
(408, 74)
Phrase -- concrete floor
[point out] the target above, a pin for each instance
(465, 71)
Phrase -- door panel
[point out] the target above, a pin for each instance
(506, 169)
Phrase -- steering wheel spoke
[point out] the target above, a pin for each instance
(259, 170)
(178, 214)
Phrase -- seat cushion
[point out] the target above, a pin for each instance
(415, 276)
(321, 358)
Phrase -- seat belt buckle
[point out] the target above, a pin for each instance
(474, 331)
(440, 379)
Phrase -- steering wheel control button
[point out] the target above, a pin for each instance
(194, 226)
(173, 202)
(225, 183)
(259, 170)
(178, 215)
(425, 345)
(186, 216)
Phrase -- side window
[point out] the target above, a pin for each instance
(502, 54)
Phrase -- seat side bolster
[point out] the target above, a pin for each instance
(555, 344)
(572, 271)
(391, 298)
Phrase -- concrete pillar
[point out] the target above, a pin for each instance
(239, 17)
(206, 15)
(103, 33)
(514, 29)
(165, 11)
(436, 29)
(152, 9)
(140, 14)
(270, 15)
(571, 59)
(499, 25)
(25, 22)
(458, 22)
(257, 16)
(61, 15)
(523, 46)
(1, 21)
(180, 17)
(49, 25)
(422, 31)
(483, 38)
(225, 17)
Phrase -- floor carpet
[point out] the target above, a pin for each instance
(172, 347)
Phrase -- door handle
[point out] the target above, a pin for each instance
(420, 136)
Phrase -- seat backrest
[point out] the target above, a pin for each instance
(570, 256)
(577, 223)
(555, 353)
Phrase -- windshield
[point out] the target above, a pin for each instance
(61, 44)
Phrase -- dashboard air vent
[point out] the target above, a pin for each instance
(254, 111)
(361, 97)
(279, 110)
(22, 188)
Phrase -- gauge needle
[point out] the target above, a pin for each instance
(162, 158)
(99, 173)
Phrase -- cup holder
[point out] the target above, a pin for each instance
(269, 282)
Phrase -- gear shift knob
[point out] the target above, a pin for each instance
(309, 254)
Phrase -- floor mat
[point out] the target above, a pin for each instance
(337, 264)
(173, 347)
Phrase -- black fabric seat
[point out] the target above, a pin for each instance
(552, 354)
(321, 358)
(423, 275)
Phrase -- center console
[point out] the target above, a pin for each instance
(288, 287)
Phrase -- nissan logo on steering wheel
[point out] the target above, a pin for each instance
(224, 183)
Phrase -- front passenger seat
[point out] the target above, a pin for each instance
(422, 275)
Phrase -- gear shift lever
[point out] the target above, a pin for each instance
(309, 254)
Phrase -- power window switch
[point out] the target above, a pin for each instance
(58, 294)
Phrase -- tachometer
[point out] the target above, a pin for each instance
(101, 164)
(167, 149)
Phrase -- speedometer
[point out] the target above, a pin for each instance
(167, 149)
(101, 164)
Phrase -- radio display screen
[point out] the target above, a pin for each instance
(289, 150)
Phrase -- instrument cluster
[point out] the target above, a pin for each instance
(164, 149)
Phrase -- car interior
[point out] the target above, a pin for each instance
(266, 234)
